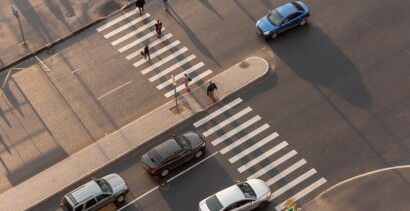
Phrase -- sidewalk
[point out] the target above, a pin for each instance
(118, 144)
(385, 189)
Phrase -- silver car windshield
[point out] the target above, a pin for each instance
(275, 18)
(104, 185)
(247, 190)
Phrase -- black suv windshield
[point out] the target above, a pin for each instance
(275, 18)
(104, 185)
(247, 190)
(183, 142)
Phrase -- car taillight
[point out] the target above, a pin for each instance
(152, 170)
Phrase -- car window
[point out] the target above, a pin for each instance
(102, 197)
(293, 16)
(173, 156)
(183, 142)
(90, 203)
(67, 205)
(247, 190)
(79, 208)
(238, 204)
(213, 203)
(104, 185)
(275, 18)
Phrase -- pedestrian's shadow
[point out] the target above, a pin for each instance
(311, 54)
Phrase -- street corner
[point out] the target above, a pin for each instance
(268, 55)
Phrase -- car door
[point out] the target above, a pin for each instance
(289, 22)
(104, 199)
(295, 19)
(178, 158)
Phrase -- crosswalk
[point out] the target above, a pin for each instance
(129, 33)
(256, 151)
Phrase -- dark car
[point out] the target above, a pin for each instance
(160, 160)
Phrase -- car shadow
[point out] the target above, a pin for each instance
(312, 55)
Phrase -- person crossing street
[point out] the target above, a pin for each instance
(210, 90)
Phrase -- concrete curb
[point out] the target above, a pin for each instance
(62, 39)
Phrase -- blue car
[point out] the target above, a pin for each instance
(282, 18)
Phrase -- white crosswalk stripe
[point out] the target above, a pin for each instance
(287, 171)
(180, 75)
(141, 39)
(293, 183)
(158, 52)
(127, 25)
(117, 20)
(227, 121)
(194, 79)
(273, 165)
(303, 193)
(235, 130)
(262, 156)
(218, 112)
(243, 140)
(134, 33)
(250, 149)
(164, 60)
(152, 44)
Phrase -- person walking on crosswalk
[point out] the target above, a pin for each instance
(146, 52)
(185, 80)
(158, 28)
(140, 5)
(210, 90)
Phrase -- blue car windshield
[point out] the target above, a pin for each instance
(275, 18)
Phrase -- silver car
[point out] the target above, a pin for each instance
(245, 195)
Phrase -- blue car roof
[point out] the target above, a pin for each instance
(286, 9)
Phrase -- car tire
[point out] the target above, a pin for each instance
(274, 35)
(199, 154)
(303, 22)
(119, 200)
(164, 173)
(262, 204)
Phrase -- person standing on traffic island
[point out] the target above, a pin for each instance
(210, 90)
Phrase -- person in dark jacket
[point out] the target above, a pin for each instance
(210, 90)
(146, 52)
(158, 28)
(140, 5)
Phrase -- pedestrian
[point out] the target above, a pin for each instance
(158, 28)
(166, 2)
(210, 90)
(146, 52)
(140, 5)
(185, 80)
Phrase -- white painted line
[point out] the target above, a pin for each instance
(42, 64)
(303, 193)
(192, 167)
(293, 183)
(122, 17)
(243, 140)
(152, 44)
(127, 25)
(235, 130)
(172, 68)
(252, 148)
(133, 33)
(273, 165)
(158, 52)
(133, 201)
(227, 121)
(263, 156)
(164, 60)
(180, 75)
(218, 112)
(287, 171)
(114, 90)
(142, 39)
(182, 87)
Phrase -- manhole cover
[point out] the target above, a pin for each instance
(244, 65)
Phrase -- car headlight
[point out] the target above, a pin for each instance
(265, 196)
(266, 33)
(257, 23)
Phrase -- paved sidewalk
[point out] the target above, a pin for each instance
(116, 145)
(381, 190)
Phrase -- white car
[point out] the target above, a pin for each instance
(245, 195)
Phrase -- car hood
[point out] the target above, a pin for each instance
(116, 182)
(265, 25)
(259, 187)
(195, 139)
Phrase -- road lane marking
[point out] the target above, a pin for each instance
(287, 171)
(158, 52)
(141, 39)
(152, 44)
(253, 147)
(133, 201)
(127, 25)
(122, 17)
(134, 33)
(227, 121)
(262, 156)
(303, 193)
(114, 90)
(243, 140)
(293, 183)
(194, 79)
(236, 130)
(164, 60)
(274, 164)
(218, 112)
(44, 66)
(177, 77)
